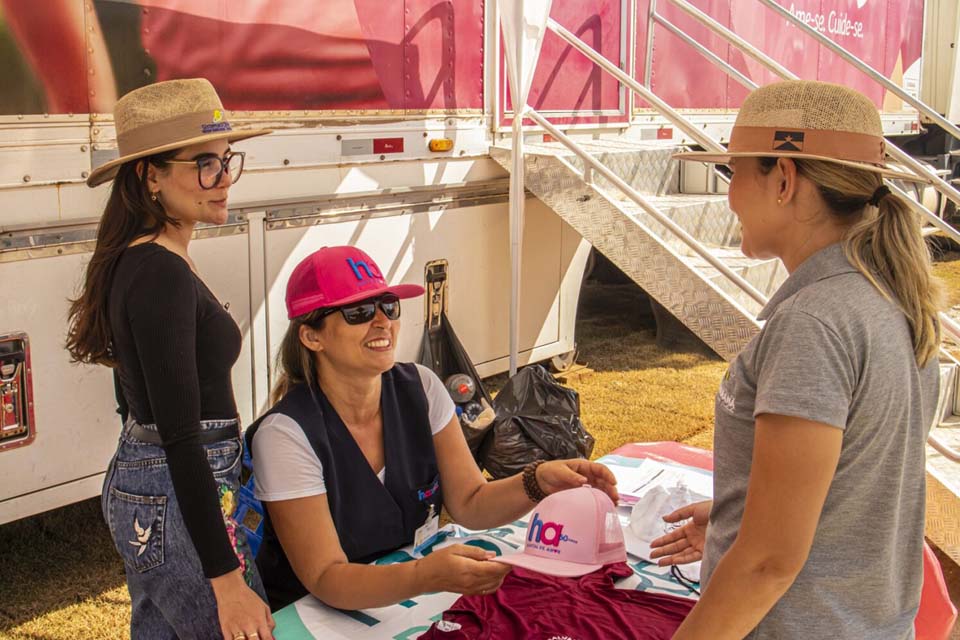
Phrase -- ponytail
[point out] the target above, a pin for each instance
(886, 246)
(884, 243)
(295, 363)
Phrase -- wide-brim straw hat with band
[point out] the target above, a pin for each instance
(808, 120)
(168, 115)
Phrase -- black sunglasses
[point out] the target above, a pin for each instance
(362, 312)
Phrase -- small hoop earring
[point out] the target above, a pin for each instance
(153, 196)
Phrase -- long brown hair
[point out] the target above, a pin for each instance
(884, 243)
(130, 214)
(295, 363)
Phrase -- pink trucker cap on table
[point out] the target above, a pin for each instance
(336, 276)
(571, 533)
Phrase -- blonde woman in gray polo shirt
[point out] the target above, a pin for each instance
(816, 527)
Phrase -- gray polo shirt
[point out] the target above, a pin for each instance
(834, 350)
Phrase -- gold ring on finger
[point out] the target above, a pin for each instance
(253, 635)
(237, 636)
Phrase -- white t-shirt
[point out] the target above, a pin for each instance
(285, 464)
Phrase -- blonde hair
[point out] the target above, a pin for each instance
(884, 243)
(296, 364)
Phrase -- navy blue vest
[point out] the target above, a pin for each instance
(371, 518)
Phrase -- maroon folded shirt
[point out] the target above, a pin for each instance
(532, 606)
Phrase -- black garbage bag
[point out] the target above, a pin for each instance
(442, 352)
(537, 419)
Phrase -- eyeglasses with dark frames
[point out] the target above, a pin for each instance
(211, 167)
(363, 312)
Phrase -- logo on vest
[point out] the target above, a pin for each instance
(547, 536)
(426, 494)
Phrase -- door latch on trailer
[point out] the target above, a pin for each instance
(17, 426)
(435, 281)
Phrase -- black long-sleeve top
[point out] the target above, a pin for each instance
(175, 345)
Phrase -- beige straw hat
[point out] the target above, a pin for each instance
(164, 116)
(808, 119)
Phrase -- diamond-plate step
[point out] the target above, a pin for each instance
(943, 492)
(646, 166)
(765, 275)
(705, 217)
(629, 239)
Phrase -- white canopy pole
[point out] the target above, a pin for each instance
(517, 197)
(524, 23)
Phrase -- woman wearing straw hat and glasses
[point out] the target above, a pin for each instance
(143, 310)
(816, 527)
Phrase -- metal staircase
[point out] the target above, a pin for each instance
(715, 308)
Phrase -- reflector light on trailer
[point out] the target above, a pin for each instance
(441, 144)
(665, 133)
(388, 145)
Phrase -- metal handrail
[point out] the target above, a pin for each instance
(708, 141)
(950, 326)
(690, 241)
(735, 40)
(943, 448)
(702, 50)
(668, 112)
(875, 75)
(705, 140)
(938, 183)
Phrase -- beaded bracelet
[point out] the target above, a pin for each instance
(530, 485)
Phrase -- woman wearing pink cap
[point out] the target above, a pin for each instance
(360, 453)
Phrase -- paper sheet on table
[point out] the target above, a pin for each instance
(636, 476)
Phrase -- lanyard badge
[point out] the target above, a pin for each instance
(427, 534)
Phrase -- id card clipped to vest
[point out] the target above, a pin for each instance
(426, 534)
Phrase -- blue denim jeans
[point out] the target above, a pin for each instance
(170, 596)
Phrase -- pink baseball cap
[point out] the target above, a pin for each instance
(336, 276)
(571, 533)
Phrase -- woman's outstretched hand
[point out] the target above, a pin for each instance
(684, 544)
(460, 568)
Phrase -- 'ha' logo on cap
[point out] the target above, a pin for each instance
(547, 533)
(357, 265)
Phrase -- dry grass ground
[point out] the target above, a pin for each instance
(63, 579)
(947, 269)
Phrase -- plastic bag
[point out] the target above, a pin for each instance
(442, 352)
(537, 419)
